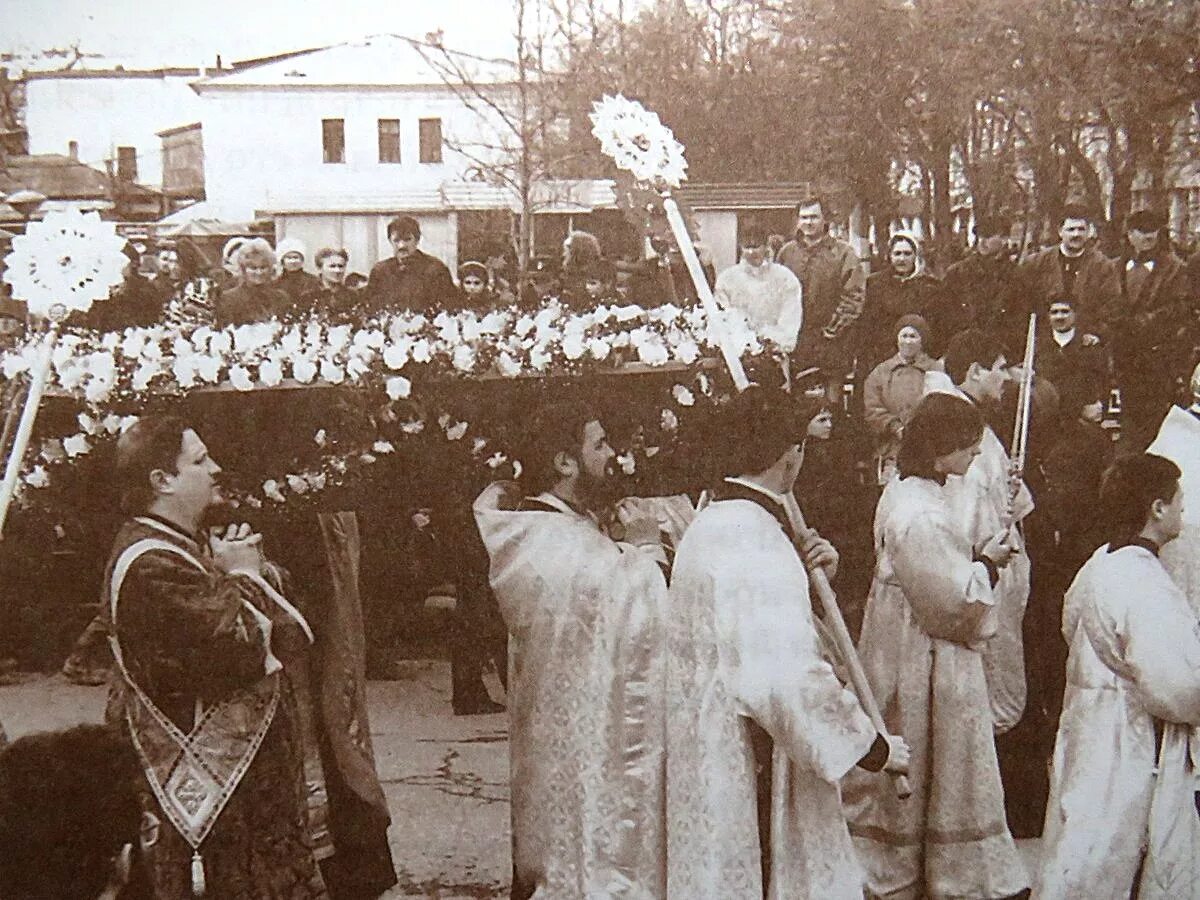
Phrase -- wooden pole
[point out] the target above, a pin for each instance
(732, 360)
(16, 457)
(845, 644)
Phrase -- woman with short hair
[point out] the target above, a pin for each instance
(253, 298)
(929, 612)
(329, 293)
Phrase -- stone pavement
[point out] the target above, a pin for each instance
(446, 777)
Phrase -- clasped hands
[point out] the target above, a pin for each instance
(236, 548)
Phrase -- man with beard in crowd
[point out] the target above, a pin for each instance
(411, 279)
(586, 668)
(833, 281)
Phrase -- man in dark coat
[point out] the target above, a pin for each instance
(833, 282)
(1071, 268)
(1064, 354)
(983, 284)
(1149, 325)
(411, 279)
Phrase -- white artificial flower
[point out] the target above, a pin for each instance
(270, 373)
(493, 322)
(98, 390)
(464, 358)
(87, 423)
(669, 421)
(339, 337)
(599, 348)
(683, 396)
(455, 432)
(471, 327)
(52, 451)
(127, 422)
(357, 367)
(383, 447)
(291, 342)
(239, 377)
(421, 351)
(142, 376)
(332, 372)
(221, 343)
(37, 477)
(135, 340)
(413, 426)
(395, 355)
(573, 346)
(478, 445)
(14, 365)
(321, 437)
(496, 460)
(209, 368)
(304, 370)
(367, 458)
(297, 484)
(398, 387)
(317, 480)
(200, 339)
(313, 334)
(76, 445)
(524, 325)
(448, 328)
(271, 490)
(687, 352)
(507, 366)
(628, 312)
(254, 336)
(184, 370)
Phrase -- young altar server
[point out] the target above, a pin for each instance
(759, 729)
(1122, 819)
(981, 502)
(585, 688)
(931, 609)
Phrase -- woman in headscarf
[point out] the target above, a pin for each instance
(893, 390)
(901, 288)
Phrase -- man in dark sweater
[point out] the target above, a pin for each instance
(411, 279)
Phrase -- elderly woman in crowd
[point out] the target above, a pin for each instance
(293, 280)
(894, 388)
(329, 293)
(253, 298)
(903, 286)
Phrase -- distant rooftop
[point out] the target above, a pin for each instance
(385, 60)
(59, 178)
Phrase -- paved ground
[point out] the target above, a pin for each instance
(446, 777)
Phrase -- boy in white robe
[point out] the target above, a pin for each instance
(759, 729)
(980, 502)
(1122, 816)
(586, 656)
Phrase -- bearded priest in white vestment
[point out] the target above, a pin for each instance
(759, 729)
(586, 678)
(979, 502)
(1122, 819)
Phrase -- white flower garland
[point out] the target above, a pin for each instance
(69, 259)
(638, 142)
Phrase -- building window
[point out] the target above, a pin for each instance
(389, 140)
(333, 140)
(127, 163)
(431, 140)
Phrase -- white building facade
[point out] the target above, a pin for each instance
(333, 143)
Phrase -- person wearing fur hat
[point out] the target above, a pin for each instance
(894, 388)
(900, 288)
(292, 279)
